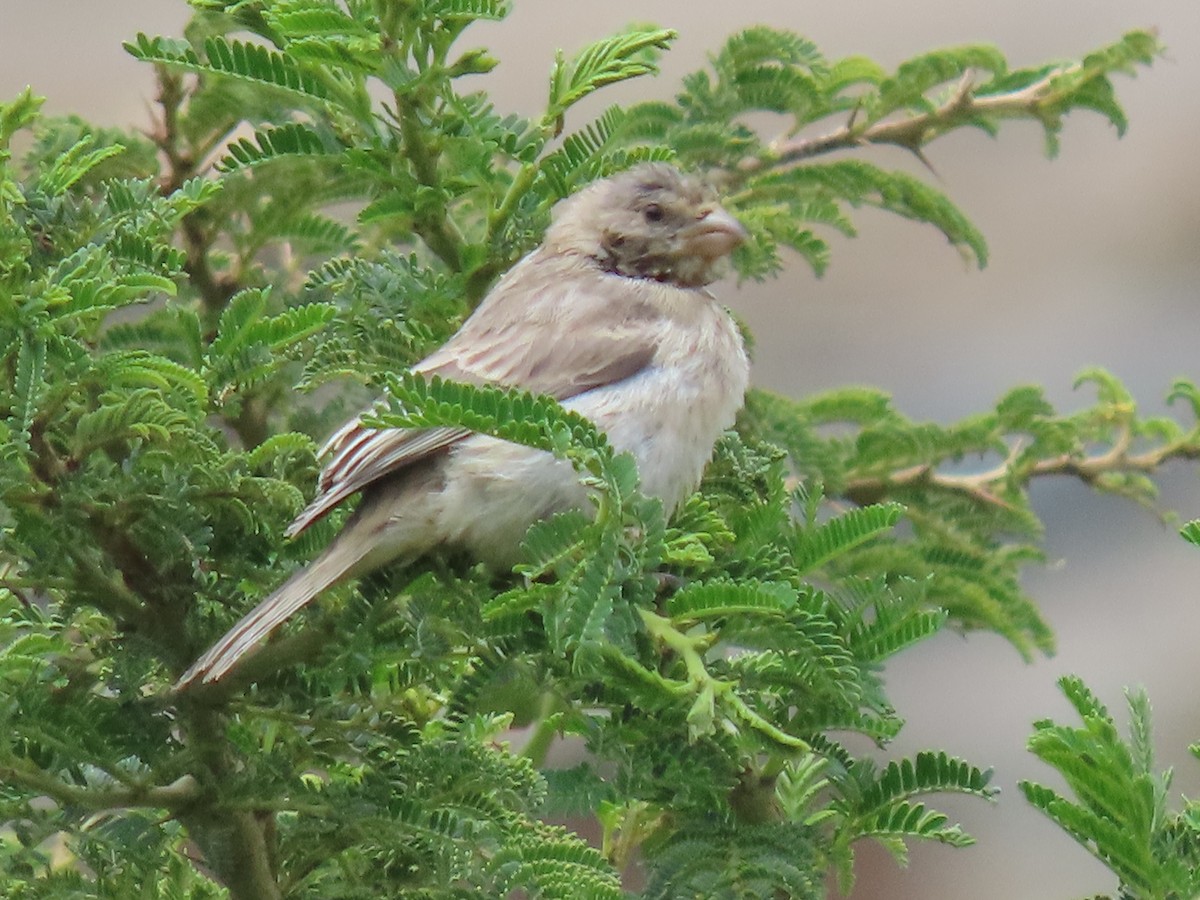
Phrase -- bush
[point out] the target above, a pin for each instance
(184, 312)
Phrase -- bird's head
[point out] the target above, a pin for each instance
(651, 221)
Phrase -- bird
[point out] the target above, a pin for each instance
(613, 317)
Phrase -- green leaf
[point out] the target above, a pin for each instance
(494, 10)
(251, 345)
(1119, 814)
(1191, 532)
(818, 545)
(715, 600)
(140, 369)
(913, 820)
(890, 618)
(761, 45)
(609, 60)
(18, 114)
(291, 140)
(74, 163)
(575, 162)
(930, 772)
(28, 387)
(136, 415)
(917, 76)
(860, 183)
(511, 414)
(234, 59)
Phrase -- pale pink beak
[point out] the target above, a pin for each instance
(715, 234)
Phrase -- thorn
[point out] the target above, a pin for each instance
(962, 93)
(854, 111)
(919, 153)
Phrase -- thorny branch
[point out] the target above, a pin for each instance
(987, 486)
(913, 132)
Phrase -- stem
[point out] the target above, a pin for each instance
(434, 227)
(182, 164)
(544, 732)
(666, 633)
(699, 679)
(238, 845)
(521, 183)
(236, 848)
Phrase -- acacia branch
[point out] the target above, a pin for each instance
(987, 486)
(435, 227)
(914, 131)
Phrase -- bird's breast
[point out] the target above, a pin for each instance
(671, 413)
(668, 415)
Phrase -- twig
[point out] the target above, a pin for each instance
(179, 793)
(182, 165)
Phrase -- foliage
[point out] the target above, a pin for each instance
(978, 529)
(182, 313)
(1120, 813)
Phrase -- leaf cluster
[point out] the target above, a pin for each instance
(436, 163)
(965, 487)
(1117, 806)
(700, 645)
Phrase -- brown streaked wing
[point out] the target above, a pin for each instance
(366, 455)
(552, 328)
(548, 327)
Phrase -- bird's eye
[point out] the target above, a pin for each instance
(653, 213)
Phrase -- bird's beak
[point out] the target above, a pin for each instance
(714, 235)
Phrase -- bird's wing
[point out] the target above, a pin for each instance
(550, 326)
(359, 455)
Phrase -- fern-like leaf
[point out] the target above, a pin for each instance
(818, 545)
(860, 183)
(928, 773)
(911, 820)
(27, 388)
(1191, 532)
(714, 600)
(915, 77)
(234, 59)
(140, 369)
(137, 415)
(513, 415)
(612, 59)
(1119, 812)
(74, 163)
(495, 10)
(269, 144)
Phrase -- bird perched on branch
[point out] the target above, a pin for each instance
(611, 316)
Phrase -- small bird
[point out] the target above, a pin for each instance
(610, 316)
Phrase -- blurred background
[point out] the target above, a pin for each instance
(1095, 259)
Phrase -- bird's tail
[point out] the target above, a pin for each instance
(334, 564)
